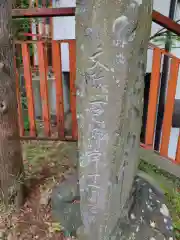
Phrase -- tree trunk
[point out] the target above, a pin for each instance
(112, 41)
(11, 164)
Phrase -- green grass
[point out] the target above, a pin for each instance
(171, 186)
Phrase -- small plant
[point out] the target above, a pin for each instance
(163, 36)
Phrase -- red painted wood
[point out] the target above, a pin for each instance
(166, 22)
(43, 12)
(72, 60)
(42, 62)
(169, 107)
(29, 88)
(57, 67)
(18, 95)
(153, 97)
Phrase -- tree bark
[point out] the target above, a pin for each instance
(11, 164)
(112, 41)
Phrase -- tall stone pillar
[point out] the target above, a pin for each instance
(112, 41)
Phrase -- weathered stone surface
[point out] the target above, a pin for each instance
(147, 216)
(65, 209)
(111, 57)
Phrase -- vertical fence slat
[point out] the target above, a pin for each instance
(153, 97)
(178, 151)
(57, 68)
(44, 27)
(72, 61)
(169, 107)
(29, 89)
(44, 87)
(46, 58)
(19, 106)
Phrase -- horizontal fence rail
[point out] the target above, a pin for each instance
(62, 124)
(166, 22)
(157, 17)
(43, 12)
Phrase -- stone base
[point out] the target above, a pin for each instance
(147, 218)
(65, 204)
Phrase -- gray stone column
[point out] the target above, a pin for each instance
(112, 40)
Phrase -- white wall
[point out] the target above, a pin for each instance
(64, 3)
(161, 6)
(64, 28)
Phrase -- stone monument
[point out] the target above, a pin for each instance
(115, 203)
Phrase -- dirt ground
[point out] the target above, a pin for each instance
(46, 165)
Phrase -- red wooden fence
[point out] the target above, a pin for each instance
(49, 133)
(59, 132)
(169, 105)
